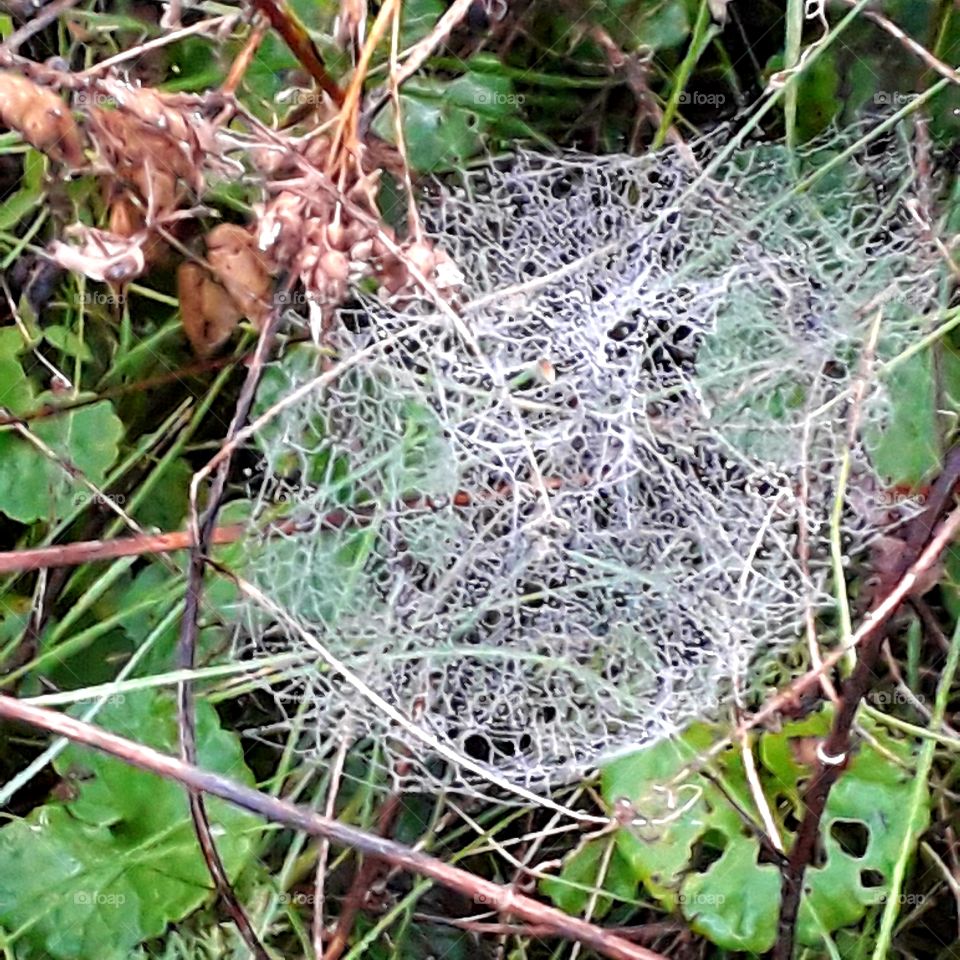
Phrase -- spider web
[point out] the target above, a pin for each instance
(567, 525)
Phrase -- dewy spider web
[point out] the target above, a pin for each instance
(585, 537)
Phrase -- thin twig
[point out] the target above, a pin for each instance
(756, 792)
(242, 63)
(300, 44)
(363, 880)
(212, 24)
(90, 551)
(414, 225)
(506, 900)
(422, 50)
(202, 529)
(41, 21)
(834, 751)
(323, 854)
(917, 49)
(873, 622)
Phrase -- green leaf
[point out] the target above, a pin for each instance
(587, 871)
(28, 197)
(16, 391)
(67, 342)
(32, 486)
(661, 851)
(194, 65)
(418, 19)
(655, 25)
(114, 867)
(906, 449)
(446, 123)
(735, 901)
(166, 508)
(691, 851)
(817, 98)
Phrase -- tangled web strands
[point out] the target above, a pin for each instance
(574, 528)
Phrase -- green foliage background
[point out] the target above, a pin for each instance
(97, 860)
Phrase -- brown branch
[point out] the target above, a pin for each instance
(363, 880)
(506, 901)
(834, 752)
(203, 529)
(647, 931)
(298, 40)
(40, 22)
(90, 551)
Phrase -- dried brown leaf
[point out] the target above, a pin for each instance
(41, 118)
(208, 313)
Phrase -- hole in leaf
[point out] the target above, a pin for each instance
(852, 836)
(871, 878)
(766, 855)
(707, 850)
(790, 821)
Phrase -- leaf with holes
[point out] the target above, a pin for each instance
(863, 824)
(691, 850)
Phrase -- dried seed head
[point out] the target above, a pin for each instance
(317, 150)
(335, 235)
(362, 251)
(280, 231)
(335, 265)
(422, 256)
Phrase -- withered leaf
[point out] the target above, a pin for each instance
(208, 313)
(242, 269)
(101, 255)
(41, 118)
